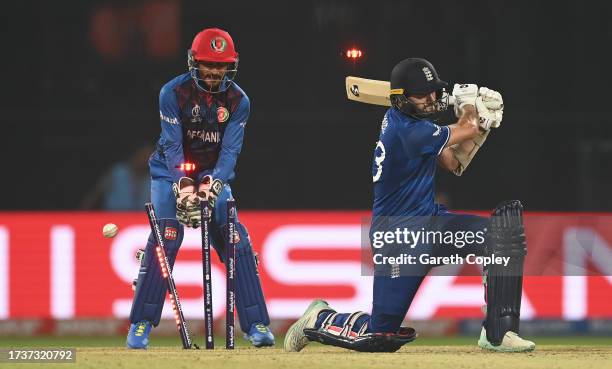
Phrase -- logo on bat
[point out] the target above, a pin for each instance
(355, 90)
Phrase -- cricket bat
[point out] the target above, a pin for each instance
(368, 91)
(371, 91)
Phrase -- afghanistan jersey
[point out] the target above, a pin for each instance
(199, 127)
(404, 165)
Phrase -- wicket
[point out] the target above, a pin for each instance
(206, 275)
(166, 271)
(230, 264)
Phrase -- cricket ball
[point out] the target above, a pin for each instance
(110, 230)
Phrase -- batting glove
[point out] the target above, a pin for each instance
(464, 94)
(492, 99)
(494, 102)
(489, 118)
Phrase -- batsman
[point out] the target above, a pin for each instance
(410, 147)
(203, 114)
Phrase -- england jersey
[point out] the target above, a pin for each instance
(404, 165)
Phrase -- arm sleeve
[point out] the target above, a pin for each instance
(171, 140)
(232, 142)
(424, 138)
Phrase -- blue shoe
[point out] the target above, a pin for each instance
(138, 336)
(260, 335)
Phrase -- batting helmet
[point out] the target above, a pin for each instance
(415, 76)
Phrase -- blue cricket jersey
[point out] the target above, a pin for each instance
(404, 165)
(199, 127)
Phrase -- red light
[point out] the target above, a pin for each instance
(187, 167)
(354, 53)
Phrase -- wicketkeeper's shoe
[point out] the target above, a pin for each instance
(511, 342)
(260, 335)
(138, 336)
(296, 340)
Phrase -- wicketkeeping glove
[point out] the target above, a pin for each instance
(464, 94)
(211, 189)
(187, 203)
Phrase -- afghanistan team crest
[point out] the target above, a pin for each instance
(222, 114)
(218, 44)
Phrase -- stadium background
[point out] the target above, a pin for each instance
(80, 93)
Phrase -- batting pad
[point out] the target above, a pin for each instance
(250, 301)
(151, 287)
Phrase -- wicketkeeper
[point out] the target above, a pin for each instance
(410, 147)
(203, 114)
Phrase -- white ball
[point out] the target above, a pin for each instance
(110, 230)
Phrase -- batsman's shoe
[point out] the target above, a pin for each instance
(138, 336)
(296, 340)
(260, 335)
(512, 342)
